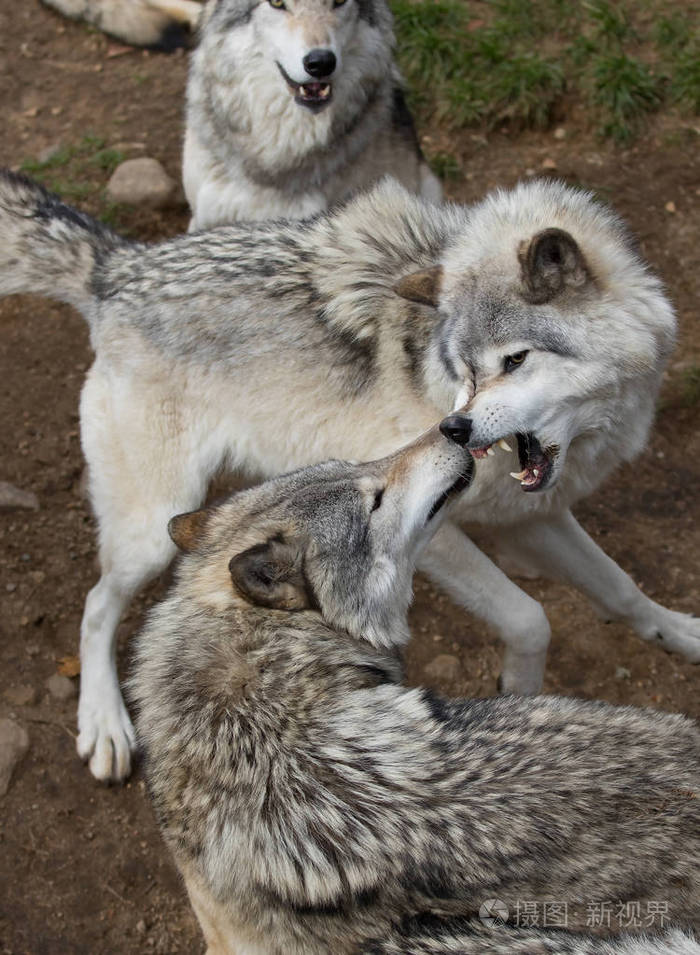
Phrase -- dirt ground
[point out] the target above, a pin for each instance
(82, 867)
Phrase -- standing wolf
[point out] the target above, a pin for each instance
(312, 803)
(291, 106)
(266, 347)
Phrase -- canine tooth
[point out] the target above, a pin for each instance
(535, 472)
(490, 451)
(502, 443)
(519, 476)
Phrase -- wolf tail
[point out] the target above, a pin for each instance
(47, 247)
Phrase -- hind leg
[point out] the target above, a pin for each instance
(144, 466)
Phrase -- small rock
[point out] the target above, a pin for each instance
(31, 649)
(560, 133)
(15, 499)
(549, 163)
(23, 695)
(622, 673)
(14, 743)
(444, 667)
(46, 155)
(61, 687)
(670, 207)
(141, 927)
(141, 182)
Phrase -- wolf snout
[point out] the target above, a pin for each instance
(457, 427)
(320, 63)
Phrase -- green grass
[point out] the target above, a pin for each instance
(79, 173)
(513, 61)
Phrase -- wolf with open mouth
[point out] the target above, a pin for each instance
(529, 319)
(292, 105)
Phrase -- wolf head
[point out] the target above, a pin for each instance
(303, 51)
(337, 539)
(551, 334)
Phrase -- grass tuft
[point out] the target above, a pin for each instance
(512, 61)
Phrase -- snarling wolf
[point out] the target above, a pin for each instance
(292, 105)
(267, 347)
(311, 802)
(159, 24)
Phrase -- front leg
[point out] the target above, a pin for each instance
(560, 548)
(457, 566)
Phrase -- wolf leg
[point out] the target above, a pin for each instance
(457, 565)
(143, 468)
(561, 549)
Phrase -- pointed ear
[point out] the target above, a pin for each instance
(550, 262)
(272, 575)
(186, 530)
(422, 287)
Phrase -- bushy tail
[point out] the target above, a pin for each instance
(47, 247)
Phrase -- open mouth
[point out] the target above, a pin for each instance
(314, 95)
(536, 462)
(461, 484)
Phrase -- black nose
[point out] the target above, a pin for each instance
(457, 428)
(319, 63)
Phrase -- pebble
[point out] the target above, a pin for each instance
(549, 163)
(560, 133)
(14, 743)
(670, 207)
(23, 695)
(622, 673)
(61, 687)
(443, 667)
(141, 182)
(15, 499)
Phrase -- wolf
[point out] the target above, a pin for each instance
(311, 802)
(426, 936)
(470, 937)
(261, 348)
(292, 105)
(158, 24)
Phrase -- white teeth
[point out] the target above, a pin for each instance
(490, 451)
(536, 472)
(502, 443)
(518, 477)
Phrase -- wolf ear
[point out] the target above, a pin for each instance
(186, 530)
(272, 575)
(422, 287)
(550, 262)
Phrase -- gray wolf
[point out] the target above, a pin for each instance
(292, 105)
(159, 24)
(266, 347)
(311, 802)
(425, 936)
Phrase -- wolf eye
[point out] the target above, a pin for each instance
(277, 4)
(338, 3)
(377, 503)
(512, 361)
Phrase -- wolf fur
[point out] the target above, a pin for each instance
(311, 802)
(159, 24)
(469, 937)
(254, 149)
(265, 347)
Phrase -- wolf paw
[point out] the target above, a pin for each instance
(675, 632)
(106, 735)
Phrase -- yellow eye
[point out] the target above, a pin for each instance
(512, 361)
(277, 4)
